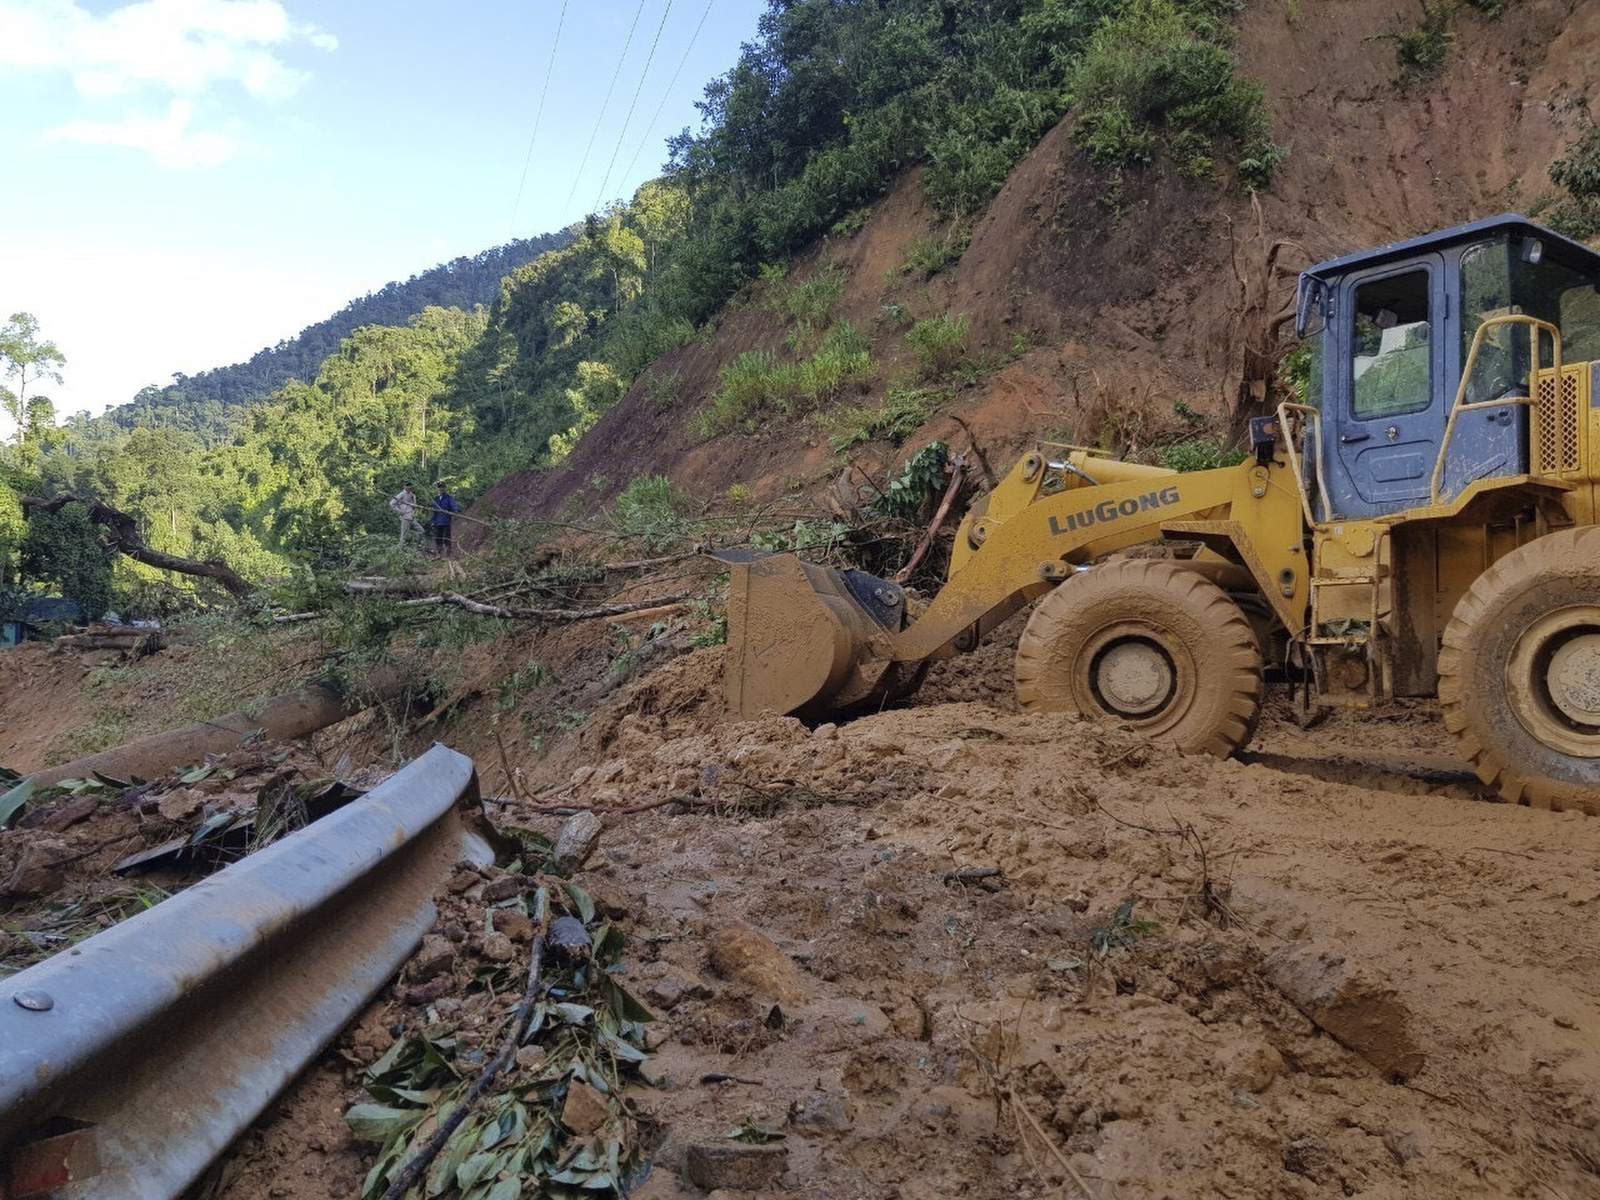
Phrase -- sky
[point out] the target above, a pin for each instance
(191, 180)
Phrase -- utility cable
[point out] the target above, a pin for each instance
(538, 116)
(667, 95)
(615, 75)
(650, 58)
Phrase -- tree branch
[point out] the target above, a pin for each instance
(122, 531)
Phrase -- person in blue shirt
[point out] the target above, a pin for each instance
(444, 505)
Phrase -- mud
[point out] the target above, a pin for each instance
(938, 947)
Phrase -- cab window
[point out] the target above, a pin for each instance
(1391, 360)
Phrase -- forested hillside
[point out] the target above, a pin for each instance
(823, 263)
(199, 403)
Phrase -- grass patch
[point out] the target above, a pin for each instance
(933, 253)
(757, 384)
(939, 343)
(904, 411)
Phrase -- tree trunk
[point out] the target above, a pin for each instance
(123, 536)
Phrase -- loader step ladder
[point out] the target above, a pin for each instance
(1349, 635)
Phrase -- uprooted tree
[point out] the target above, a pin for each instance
(121, 533)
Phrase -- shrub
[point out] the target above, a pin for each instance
(903, 412)
(756, 382)
(939, 343)
(1197, 454)
(1422, 51)
(1159, 77)
(931, 254)
(651, 508)
(853, 222)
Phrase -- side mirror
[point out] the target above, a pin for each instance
(1310, 306)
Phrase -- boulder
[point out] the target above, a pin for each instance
(745, 955)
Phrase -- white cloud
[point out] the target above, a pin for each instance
(183, 47)
(169, 139)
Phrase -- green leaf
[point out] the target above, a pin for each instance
(572, 1014)
(13, 800)
(582, 902)
(506, 1189)
(196, 774)
(443, 1175)
(623, 1003)
(378, 1123)
(475, 1168)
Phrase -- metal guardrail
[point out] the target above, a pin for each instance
(129, 1062)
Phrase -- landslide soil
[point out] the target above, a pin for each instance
(1153, 1052)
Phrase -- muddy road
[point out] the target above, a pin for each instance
(957, 949)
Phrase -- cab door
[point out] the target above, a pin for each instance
(1389, 387)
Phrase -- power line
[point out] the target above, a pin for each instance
(667, 95)
(649, 58)
(615, 75)
(538, 116)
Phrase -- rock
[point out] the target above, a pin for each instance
(568, 939)
(585, 1109)
(180, 804)
(575, 843)
(739, 1166)
(1311, 1157)
(65, 816)
(503, 888)
(748, 956)
(1251, 1066)
(38, 871)
(673, 989)
(455, 931)
(1359, 1012)
(436, 957)
(497, 947)
(821, 1110)
(465, 877)
(513, 924)
(428, 992)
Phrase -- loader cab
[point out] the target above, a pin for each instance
(1389, 331)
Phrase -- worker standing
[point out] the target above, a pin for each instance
(444, 506)
(404, 504)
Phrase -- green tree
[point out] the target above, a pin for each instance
(63, 551)
(25, 359)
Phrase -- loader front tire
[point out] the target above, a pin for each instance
(1152, 644)
(1519, 673)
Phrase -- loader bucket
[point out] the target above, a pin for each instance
(808, 640)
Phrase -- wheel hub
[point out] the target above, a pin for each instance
(1134, 678)
(1553, 680)
(1574, 679)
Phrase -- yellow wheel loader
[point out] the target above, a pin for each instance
(1425, 526)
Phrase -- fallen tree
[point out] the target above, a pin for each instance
(478, 607)
(123, 536)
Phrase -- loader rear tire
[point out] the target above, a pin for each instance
(1152, 644)
(1519, 673)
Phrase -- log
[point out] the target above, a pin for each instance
(289, 715)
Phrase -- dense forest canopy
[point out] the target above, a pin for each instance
(820, 114)
(200, 403)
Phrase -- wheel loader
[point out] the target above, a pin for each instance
(1425, 525)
